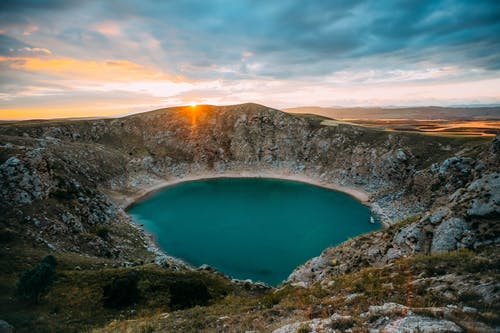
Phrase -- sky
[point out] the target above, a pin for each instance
(64, 58)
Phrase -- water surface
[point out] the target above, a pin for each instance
(250, 228)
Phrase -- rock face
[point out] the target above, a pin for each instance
(23, 183)
(421, 324)
(64, 171)
(463, 213)
(448, 234)
(408, 323)
(333, 324)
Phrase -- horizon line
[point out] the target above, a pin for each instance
(284, 109)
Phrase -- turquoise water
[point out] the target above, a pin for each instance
(250, 228)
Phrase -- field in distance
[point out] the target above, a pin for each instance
(484, 121)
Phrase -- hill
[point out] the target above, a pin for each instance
(65, 184)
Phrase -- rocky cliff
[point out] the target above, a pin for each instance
(82, 161)
(62, 183)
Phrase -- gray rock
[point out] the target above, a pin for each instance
(392, 254)
(420, 324)
(401, 155)
(308, 271)
(409, 237)
(461, 164)
(487, 198)
(314, 325)
(289, 328)
(387, 309)
(72, 221)
(448, 234)
(301, 284)
(439, 214)
(20, 182)
(351, 297)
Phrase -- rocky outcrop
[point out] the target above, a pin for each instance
(24, 181)
(421, 324)
(448, 234)
(389, 317)
(327, 325)
(464, 215)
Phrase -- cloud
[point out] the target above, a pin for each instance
(315, 52)
(292, 39)
(7, 44)
(108, 28)
(30, 29)
(74, 69)
(32, 50)
(30, 6)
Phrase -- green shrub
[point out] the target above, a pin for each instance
(271, 299)
(304, 328)
(121, 292)
(34, 282)
(102, 232)
(186, 294)
(50, 260)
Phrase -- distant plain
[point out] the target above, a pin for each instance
(471, 122)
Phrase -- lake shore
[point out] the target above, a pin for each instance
(128, 200)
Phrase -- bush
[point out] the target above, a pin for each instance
(121, 292)
(271, 299)
(34, 282)
(304, 328)
(50, 260)
(186, 294)
(102, 232)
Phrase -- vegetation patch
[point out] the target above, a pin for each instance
(121, 292)
(34, 282)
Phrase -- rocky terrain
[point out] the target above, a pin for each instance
(64, 186)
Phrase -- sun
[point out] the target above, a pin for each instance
(193, 104)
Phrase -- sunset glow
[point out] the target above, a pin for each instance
(112, 60)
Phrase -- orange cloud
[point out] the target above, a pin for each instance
(30, 29)
(114, 70)
(110, 29)
(70, 111)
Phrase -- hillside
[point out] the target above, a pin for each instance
(65, 184)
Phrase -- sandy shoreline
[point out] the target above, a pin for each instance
(128, 200)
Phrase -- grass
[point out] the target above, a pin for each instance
(75, 301)
(334, 123)
(462, 261)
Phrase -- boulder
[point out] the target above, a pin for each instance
(421, 324)
(438, 215)
(487, 199)
(409, 237)
(448, 234)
